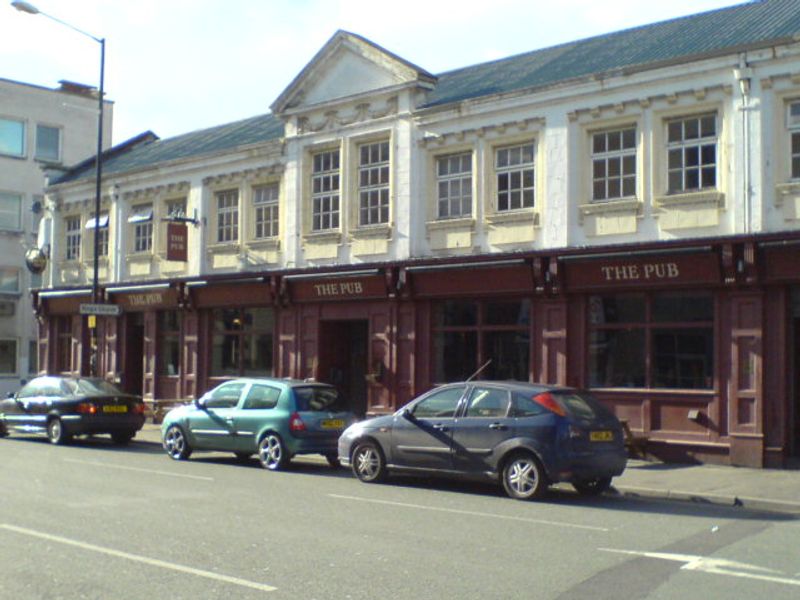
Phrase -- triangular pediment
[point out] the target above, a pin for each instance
(348, 65)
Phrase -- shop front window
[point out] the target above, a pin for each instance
(469, 333)
(242, 342)
(169, 343)
(652, 341)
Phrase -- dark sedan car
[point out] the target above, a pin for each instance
(62, 407)
(528, 436)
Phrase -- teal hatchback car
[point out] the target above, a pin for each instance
(273, 418)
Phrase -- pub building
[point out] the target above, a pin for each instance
(400, 232)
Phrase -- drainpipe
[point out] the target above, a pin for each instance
(744, 75)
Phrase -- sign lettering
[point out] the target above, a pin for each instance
(177, 235)
(643, 272)
(149, 299)
(339, 288)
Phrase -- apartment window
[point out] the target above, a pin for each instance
(227, 216)
(242, 342)
(614, 164)
(691, 153)
(265, 202)
(325, 191)
(373, 183)
(467, 333)
(102, 232)
(72, 226)
(9, 281)
(142, 221)
(514, 171)
(10, 211)
(176, 208)
(12, 137)
(169, 343)
(454, 178)
(48, 143)
(794, 127)
(8, 357)
(663, 340)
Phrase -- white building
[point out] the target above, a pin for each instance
(40, 129)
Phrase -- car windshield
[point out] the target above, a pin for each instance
(317, 398)
(581, 405)
(91, 387)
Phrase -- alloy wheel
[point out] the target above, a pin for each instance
(175, 443)
(272, 453)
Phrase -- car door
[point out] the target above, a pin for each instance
(257, 410)
(212, 425)
(421, 435)
(483, 424)
(24, 412)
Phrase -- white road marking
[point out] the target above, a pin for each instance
(142, 559)
(97, 463)
(717, 566)
(469, 512)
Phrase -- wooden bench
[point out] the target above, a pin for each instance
(635, 444)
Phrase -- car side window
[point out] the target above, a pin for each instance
(261, 397)
(225, 396)
(487, 402)
(34, 388)
(439, 404)
(524, 406)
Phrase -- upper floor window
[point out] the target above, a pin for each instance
(614, 164)
(228, 216)
(325, 191)
(142, 221)
(514, 170)
(691, 153)
(8, 356)
(793, 115)
(265, 201)
(373, 183)
(176, 208)
(12, 137)
(72, 227)
(9, 281)
(102, 233)
(454, 178)
(10, 211)
(48, 143)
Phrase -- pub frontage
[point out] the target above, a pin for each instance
(694, 344)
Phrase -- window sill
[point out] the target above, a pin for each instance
(786, 191)
(514, 216)
(442, 224)
(141, 257)
(691, 198)
(223, 248)
(272, 243)
(323, 237)
(382, 231)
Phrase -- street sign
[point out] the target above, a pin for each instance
(100, 310)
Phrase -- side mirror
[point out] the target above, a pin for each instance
(407, 414)
(11, 395)
(201, 402)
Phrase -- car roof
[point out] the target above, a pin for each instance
(281, 381)
(522, 386)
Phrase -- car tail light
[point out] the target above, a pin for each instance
(546, 399)
(296, 423)
(87, 408)
(138, 408)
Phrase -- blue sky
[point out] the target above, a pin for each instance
(174, 66)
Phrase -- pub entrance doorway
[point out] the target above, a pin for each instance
(794, 406)
(133, 353)
(343, 354)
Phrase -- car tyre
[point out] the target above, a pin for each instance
(122, 438)
(3, 430)
(56, 432)
(368, 463)
(524, 477)
(272, 453)
(175, 443)
(333, 460)
(592, 487)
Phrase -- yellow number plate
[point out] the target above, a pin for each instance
(601, 436)
(333, 424)
(115, 408)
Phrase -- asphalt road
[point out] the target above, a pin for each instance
(92, 520)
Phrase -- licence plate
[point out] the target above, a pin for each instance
(115, 408)
(332, 423)
(601, 436)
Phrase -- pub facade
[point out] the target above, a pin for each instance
(628, 225)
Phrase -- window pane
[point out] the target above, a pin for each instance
(8, 356)
(455, 355)
(509, 352)
(10, 210)
(617, 358)
(455, 313)
(47, 142)
(616, 309)
(683, 307)
(683, 358)
(12, 137)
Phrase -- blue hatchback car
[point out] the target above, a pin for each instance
(273, 418)
(525, 435)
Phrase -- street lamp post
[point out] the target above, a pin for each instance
(30, 9)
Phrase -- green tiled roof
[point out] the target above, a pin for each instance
(206, 141)
(720, 31)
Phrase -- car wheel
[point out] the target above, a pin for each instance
(175, 443)
(272, 453)
(592, 487)
(122, 438)
(368, 462)
(56, 432)
(333, 460)
(523, 477)
(3, 430)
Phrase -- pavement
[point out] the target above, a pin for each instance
(773, 490)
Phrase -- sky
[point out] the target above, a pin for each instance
(175, 66)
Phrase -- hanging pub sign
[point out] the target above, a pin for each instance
(177, 241)
(643, 271)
